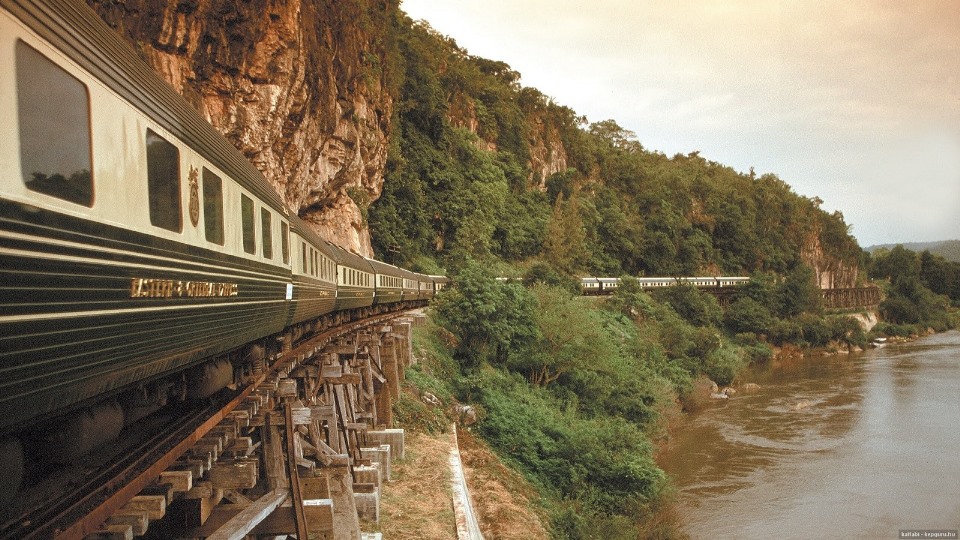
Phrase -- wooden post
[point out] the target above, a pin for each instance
(273, 457)
(388, 357)
(346, 523)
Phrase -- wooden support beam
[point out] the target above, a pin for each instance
(181, 481)
(136, 519)
(193, 466)
(242, 446)
(247, 519)
(315, 487)
(319, 514)
(345, 378)
(287, 388)
(154, 505)
(234, 474)
(160, 490)
(241, 418)
(112, 532)
(331, 371)
(237, 498)
(200, 490)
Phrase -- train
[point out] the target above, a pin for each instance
(143, 259)
(607, 285)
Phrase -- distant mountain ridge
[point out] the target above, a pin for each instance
(948, 249)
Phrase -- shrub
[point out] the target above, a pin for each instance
(747, 315)
(723, 365)
(785, 331)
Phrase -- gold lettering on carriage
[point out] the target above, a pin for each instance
(173, 288)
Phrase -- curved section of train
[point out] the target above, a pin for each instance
(136, 242)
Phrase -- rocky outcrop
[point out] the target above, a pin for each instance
(296, 85)
(547, 153)
(831, 271)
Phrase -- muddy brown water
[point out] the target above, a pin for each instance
(852, 446)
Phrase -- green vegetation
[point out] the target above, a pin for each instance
(571, 391)
(922, 291)
(948, 249)
(487, 178)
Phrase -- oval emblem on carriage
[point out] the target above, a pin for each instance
(194, 197)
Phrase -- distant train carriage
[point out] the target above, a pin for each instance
(355, 279)
(411, 287)
(439, 283)
(699, 281)
(389, 282)
(608, 285)
(425, 287)
(590, 286)
(655, 282)
(595, 285)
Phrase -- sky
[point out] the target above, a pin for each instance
(856, 102)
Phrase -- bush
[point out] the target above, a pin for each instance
(847, 330)
(604, 463)
(815, 330)
(747, 315)
(723, 365)
(695, 306)
(785, 331)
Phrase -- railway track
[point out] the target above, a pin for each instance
(80, 500)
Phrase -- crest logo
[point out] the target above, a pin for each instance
(194, 196)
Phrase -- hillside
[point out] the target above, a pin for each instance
(481, 167)
(948, 249)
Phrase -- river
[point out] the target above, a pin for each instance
(849, 446)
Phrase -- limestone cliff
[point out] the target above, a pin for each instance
(547, 153)
(831, 271)
(297, 85)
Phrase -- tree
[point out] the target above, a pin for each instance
(747, 315)
(569, 337)
(564, 247)
(697, 307)
(898, 263)
(491, 320)
(799, 292)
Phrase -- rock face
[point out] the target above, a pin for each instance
(296, 85)
(831, 271)
(547, 153)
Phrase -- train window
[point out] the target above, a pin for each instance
(248, 224)
(303, 250)
(265, 229)
(212, 207)
(284, 239)
(53, 109)
(316, 266)
(163, 182)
